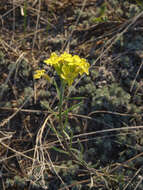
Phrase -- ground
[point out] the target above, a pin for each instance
(106, 126)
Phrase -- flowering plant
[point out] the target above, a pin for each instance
(68, 67)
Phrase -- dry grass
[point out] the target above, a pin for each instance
(30, 31)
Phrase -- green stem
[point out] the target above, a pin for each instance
(61, 125)
(62, 89)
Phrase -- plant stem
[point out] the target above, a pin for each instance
(61, 125)
(62, 89)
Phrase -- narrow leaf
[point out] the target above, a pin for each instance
(59, 150)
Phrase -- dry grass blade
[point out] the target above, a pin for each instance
(136, 76)
(15, 151)
(37, 23)
(137, 172)
(5, 121)
(39, 155)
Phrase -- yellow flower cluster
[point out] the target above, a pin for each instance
(68, 67)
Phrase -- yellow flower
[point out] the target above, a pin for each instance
(41, 73)
(68, 67)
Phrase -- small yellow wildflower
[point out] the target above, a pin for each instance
(41, 73)
(68, 67)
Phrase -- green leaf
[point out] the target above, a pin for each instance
(76, 151)
(76, 98)
(80, 145)
(71, 108)
(71, 137)
(59, 150)
(79, 155)
(140, 3)
(57, 89)
(66, 135)
(45, 104)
